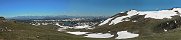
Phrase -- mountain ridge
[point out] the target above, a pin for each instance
(148, 14)
(144, 23)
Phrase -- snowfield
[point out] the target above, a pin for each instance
(177, 9)
(126, 35)
(58, 24)
(121, 35)
(92, 35)
(75, 27)
(106, 21)
(159, 14)
(120, 19)
(78, 33)
(99, 35)
(81, 27)
(148, 14)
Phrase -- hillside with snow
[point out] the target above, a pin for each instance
(161, 14)
(140, 23)
(134, 25)
(129, 25)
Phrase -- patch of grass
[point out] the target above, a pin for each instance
(23, 31)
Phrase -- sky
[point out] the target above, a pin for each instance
(12, 8)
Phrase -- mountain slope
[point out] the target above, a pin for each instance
(11, 30)
(139, 25)
(145, 23)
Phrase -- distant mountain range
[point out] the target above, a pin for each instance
(53, 17)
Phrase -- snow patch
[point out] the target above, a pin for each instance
(175, 21)
(134, 21)
(57, 24)
(106, 21)
(148, 14)
(177, 9)
(126, 35)
(78, 33)
(158, 14)
(165, 30)
(61, 29)
(44, 23)
(120, 19)
(81, 27)
(99, 35)
(167, 23)
(75, 27)
(36, 24)
(109, 31)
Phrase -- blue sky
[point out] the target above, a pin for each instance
(10, 8)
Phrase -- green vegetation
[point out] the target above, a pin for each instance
(169, 35)
(149, 29)
(23, 31)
